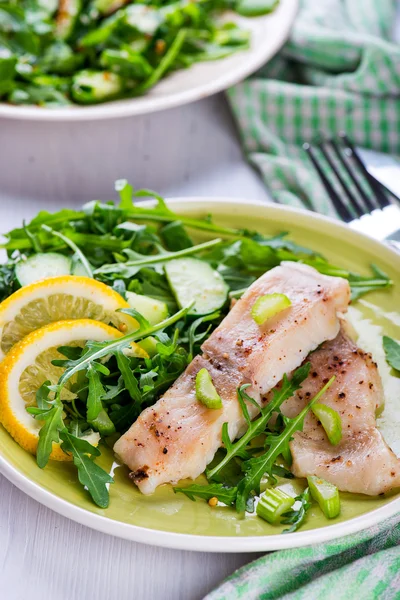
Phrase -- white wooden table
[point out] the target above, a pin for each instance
(192, 150)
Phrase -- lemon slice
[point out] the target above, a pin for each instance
(28, 365)
(56, 299)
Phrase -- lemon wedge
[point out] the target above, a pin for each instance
(28, 365)
(59, 298)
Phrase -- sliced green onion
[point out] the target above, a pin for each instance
(205, 390)
(273, 504)
(326, 494)
(330, 421)
(268, 306)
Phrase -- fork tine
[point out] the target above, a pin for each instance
(341, 208)
(339, 153)
(358, 209)
(375, 186)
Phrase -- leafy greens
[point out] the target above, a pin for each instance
(61, 53)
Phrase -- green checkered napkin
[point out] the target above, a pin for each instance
(364, 566)
(340, 71)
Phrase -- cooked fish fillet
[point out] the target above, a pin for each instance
(362, 462)
(178, 436)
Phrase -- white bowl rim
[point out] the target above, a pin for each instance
(148, 104)
(181, 541)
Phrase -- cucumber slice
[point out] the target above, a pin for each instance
(42, 265)
(153, 310)
(192, 279)
(77, 268)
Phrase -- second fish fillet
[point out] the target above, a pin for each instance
(178, 436)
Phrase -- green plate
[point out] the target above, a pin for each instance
(171, 520)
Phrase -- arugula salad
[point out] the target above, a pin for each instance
(61, 52)
(120, 298)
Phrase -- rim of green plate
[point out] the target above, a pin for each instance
(207, 543)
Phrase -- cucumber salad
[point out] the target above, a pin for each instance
(116, 316)
(63, 52)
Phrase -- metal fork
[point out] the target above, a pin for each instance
(359, 199)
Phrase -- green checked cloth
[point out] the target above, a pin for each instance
(363, 566)
(340, 71)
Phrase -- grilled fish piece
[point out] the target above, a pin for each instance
(178, 436)
(362, 462)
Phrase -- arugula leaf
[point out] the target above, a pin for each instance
(128, 377)
(123, 416)
(279, 471)
(70, 352)
(288, 388)
(96, 392)
(42, 396)
(49, 433)
(125, 191)
(362, 285)
(7, 279)
(90, 475)
(175, 236)
(97, 350)
(296, 517)
(77, 251)
(224, 493)
(49, 411)
(255, 468)
(392, 352)
(131, 267)
(194, 337)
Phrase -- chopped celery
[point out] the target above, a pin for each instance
(330, 421)
(273, 504)
(103, 424)
(205, 390)
(326, 494)
(268, 306)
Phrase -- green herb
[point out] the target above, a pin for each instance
(90, 475)
(255, 468)
(78, 253)
(224, 493)
(128, 377)
(96, 392)
(194, 337)
(131, 267)
(49, 411)
(97, 350)
(96, 52)
(296, 517)
(392, 352)
(362, 285)
(254, 428)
